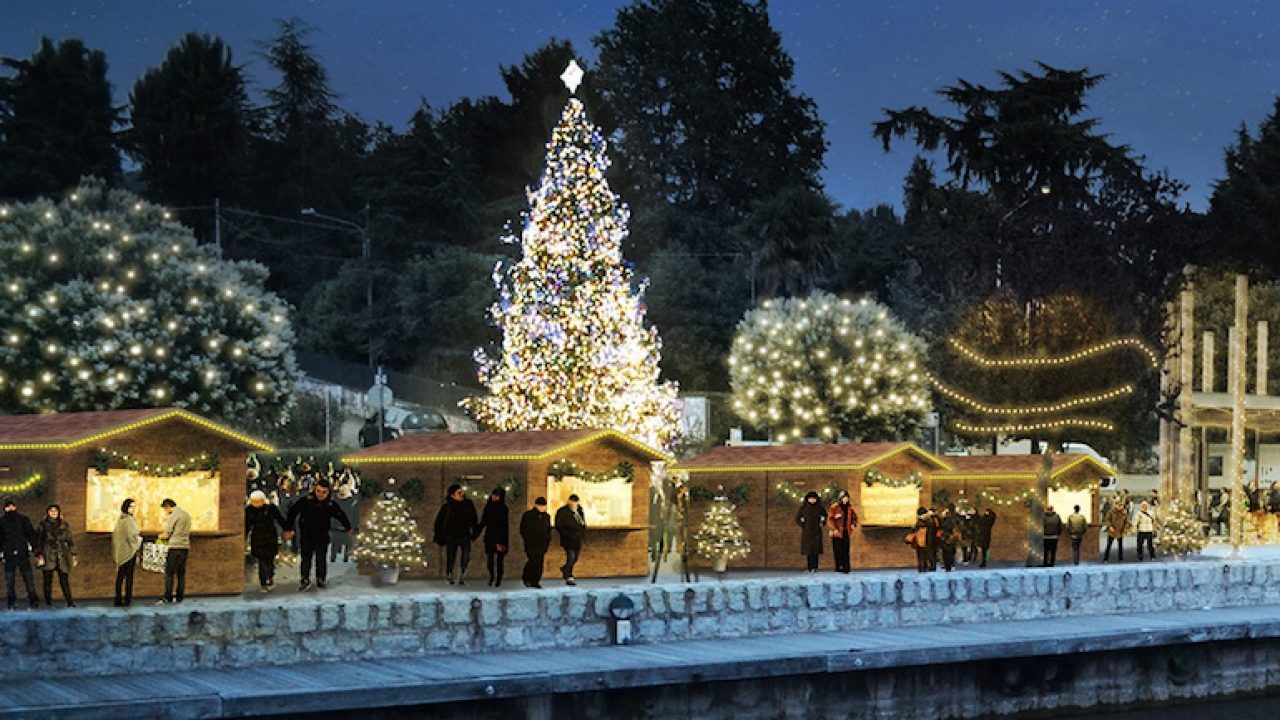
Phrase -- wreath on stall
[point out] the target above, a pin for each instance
(790, 494)
(30, 484)
(567, 468)
(108, 457)
(875, 477)
(476, 491)
(738, 495)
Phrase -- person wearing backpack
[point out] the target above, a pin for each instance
(1077, 526)
(1052, 529)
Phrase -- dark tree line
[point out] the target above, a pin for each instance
(1016, 191)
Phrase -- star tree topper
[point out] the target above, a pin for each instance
(572, 76)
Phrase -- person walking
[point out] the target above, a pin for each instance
(17, 537)
(126, 540)
(314, 513)
(455, 528)
(535, 530)
(56, 554)
(571, 524)
(968, 531)
(1117, 522)
(497, 534)
(919, 539)
(261, 519)
(177, 535)
(842, 519)
(948, 536)
(986, 523)
(1145, 523)
(1052, 529)
(1077, 526)
(811, 517)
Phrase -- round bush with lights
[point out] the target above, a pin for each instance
(827, 367)
(107, 302)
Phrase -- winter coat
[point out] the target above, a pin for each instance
(16, 537)
(456, 522)
(178, 529)
(1117, 521)
(842, 519)
(947, 525)
(535, 529)
(1077, 525)
(125, 539)
(1145, 521)
(922, 533)
(54, 544)
(493, 521)
(1052, 525)
(314, 516)
(985, 522)
(811, 517)
(260, 524)
(572, 527)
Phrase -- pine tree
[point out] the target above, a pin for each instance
(720, 535)
(575, 349)
(1180, 532)
(390, 537)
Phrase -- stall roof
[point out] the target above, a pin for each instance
(1016, 467)
(64, 431)
(846, 456)
(520, 445)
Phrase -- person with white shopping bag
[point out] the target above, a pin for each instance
(126, 541)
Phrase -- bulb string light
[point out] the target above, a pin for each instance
(29, 483)
(1100, 398)
(1055, 361)
(1023, 496)
(1078, 423)
(876, 477)
(110, 456)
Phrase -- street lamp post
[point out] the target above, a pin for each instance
(366, 255)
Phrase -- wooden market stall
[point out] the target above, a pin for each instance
(887, 482)
(89, 462)
(609, 471)
(1003, 482)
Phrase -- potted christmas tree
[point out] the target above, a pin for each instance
(390, 540)
(1180, 533)
(719, 538)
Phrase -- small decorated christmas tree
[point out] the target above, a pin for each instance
(390, 539)
(720, 538)
(1180, 532)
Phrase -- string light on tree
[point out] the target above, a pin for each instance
(390, 537)
(1068, 404)
(575, 349)
(720, 537)
(823, 366)
(1081, 423)
(1074, 357)
(96, 308)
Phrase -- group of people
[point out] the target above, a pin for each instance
(839, 520)
(457, 526)
(51, 545)
(1120, 518)
(313, 515)
(1074, 528)
(942, 531)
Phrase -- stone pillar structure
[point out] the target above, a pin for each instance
(1240, 332)
(1184, 480)
(1263, 366)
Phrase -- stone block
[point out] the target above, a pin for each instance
(736, 599)
(656, 600)
(678, 600)
(456, 609)
(355, 617)
(756, 599)
(395, 644)
(775, 597)
(650, 630)
(245, 654)
(490, 611)
(302, 619)
(816, 596)
(330, 616)
(427, 611)
(521, 608)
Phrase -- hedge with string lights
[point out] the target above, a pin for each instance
(107, 302)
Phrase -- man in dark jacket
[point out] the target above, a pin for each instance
(455, 529)
(571, 523)
(17, 537)
(535, 529)
(313, 515)
(1052, 529)
(982, 536)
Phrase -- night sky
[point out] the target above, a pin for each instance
(1183, 75)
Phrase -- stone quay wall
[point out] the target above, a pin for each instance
(244, 633)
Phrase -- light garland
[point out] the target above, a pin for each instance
(874, 476)
(1060, 406)
(738, 494)
(30, 483)
(566, 467)
(1081, 423)
(1024, 496)
(361, 457)
(129, 427)
(1054, 361)
(789, 493)
(575, 348)
(510, 485)
(109, 456)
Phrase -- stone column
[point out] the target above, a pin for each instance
(1184, 480)
(1238, 386)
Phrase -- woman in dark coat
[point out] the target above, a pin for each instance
(982, 535)
(260, 521)
(948, 536)
(55, 553)
(920, 540)
(811, 518)
(497, 534)
(455, 528)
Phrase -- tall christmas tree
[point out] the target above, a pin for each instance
(575, 349)
(390, 536)
(720, 537)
